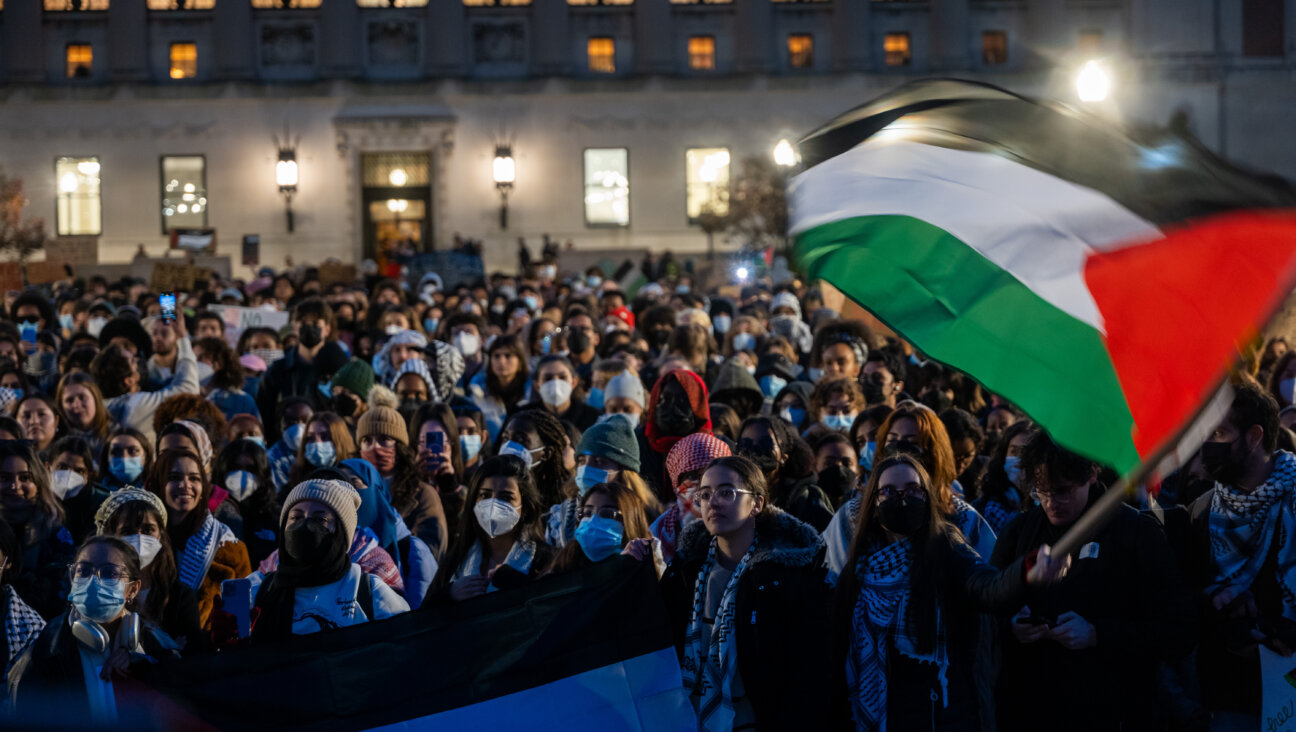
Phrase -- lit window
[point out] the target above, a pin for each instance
(483, 3)
(272, 4)
(184, 60)
(1089, 41)
(994, 48)
(392, 3)
(701, 52)
(80, 57)
(184, 192)
(77, 180)
(181, 4)
(896, 49)
(801, 51)
(602, 55)
(706, 181)
(607, 187)
(76, 4)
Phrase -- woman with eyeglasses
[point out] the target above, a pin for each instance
(907, 606)
(501, 535)
(612, 522)
(747, 597)
(79, 655)
(38, 520)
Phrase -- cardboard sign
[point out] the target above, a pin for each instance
(239, 319)
(73, 250)
(41, 273)
(331, 273)
(251, 250)
(194, 240)
(1278, 689)
(171, 276)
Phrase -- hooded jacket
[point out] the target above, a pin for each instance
(782, 616)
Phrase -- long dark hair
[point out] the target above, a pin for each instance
(512, 392)
(994, 482)
(442, 414)
(530, 527)
(932, 545)
(549, 472)
(158, 477)
(162, 571)
(406, 478)
(262, 500)
(105, 452)
(634, 522)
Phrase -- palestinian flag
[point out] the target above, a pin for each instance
(591, 649)
(1100, 279)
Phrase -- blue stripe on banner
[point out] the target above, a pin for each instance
(642, 694)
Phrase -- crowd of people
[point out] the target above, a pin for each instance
(847, 535)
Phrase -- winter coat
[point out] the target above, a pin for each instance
(339, 604)
(782, 617)
(42, 570)
(805, 500)
(81, 508)
(136, 410)
(1126, 583)
(426, 518)
(732, 384)
(230, 562)
(289, 376)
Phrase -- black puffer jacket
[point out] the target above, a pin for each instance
(782, 618)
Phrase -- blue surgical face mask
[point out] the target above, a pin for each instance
(326, 390)
(1012, 467)
(771, 385)
(815, 374)
(866, 456)
(430, 325)
(66, 322)
(258, 439)
(794, 415)
(532, 302)
(744, 342)
(599, 537)
(520, 451)
(320, 454)
(595, 398)
(838, 422)
(126, 469)
(470, 445)
(97, 599)
(720, 324)
(588, 476)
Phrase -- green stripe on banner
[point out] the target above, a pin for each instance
(959, 308)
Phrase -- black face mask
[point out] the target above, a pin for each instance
(902, 515)
(657, 337)
(836, 481)
(764, 459)
(310, 335)
(1220, 462)
(578, 341)
(674, 419)
(345, 324)
(306, 540)
(872, 392)
(344, 405)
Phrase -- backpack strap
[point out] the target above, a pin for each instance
(364, 596)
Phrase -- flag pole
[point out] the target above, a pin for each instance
(1104, 509)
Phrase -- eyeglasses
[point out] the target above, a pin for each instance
(85, 570)
(723, 496)
(606, 512)
(1064, 495)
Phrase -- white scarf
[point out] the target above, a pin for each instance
(709, 671)
(200, 550)
(1244, 526)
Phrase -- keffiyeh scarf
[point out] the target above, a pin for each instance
(879, 624)
(709, 670)
(200, 549)
(21, 625)
(519, 558)
(1244, 526)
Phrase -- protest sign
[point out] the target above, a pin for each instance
(172, 277)
(73, 250)
(40, 273)
(10, 277)
(332, 272)
(1278, 689)
(239, 319)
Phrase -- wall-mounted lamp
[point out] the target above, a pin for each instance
(286, 174)
(504, 171)
(785, 154)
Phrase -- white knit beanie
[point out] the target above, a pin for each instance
(339, 496)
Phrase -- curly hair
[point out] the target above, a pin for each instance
(111, 369)
(196, 409)
(550, 474)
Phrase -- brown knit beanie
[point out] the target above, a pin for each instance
(383, 421)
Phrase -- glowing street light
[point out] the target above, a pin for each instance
(504, 171)
(1093, 83)
(785, 155)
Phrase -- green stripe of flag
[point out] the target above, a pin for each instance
(960, 308)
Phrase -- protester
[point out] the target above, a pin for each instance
(37, 518)
(556, 381)
(18, 620)
(607, 453)
(611, 522)
(677, 408)
(684, 465)
(139, 518)
(207, 552)
(380, 526)
(772, 444)
(384, 443)
(503, 384)
(117, 373)
(81, 406)
(539, 440)
(501, 540)
(1001, 491)
(71, 467)
(326, 441)
(242, 470)
(39, 420)
(749, 607)
(225, 385)
(1099, 633)
(295, 374)
(126, 458)
(62, 669)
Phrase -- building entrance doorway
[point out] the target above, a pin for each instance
(397, 204)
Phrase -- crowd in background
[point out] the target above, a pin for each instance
(847, 534)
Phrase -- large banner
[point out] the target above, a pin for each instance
(588, 650)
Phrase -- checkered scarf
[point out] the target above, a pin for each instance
(1244, 526)
(21, 626)
(709, 671)
(881, 622)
